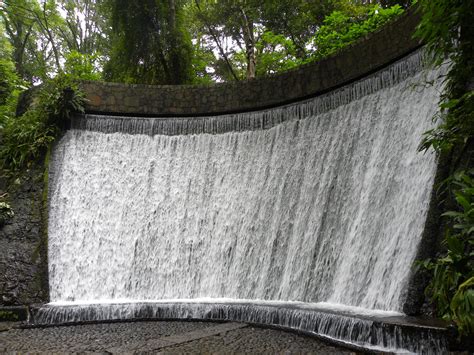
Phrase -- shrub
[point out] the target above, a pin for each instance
(26, 138)
(341, 29)
(452, 285)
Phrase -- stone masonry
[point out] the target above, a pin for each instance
(362, 58)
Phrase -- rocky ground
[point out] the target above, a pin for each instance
(176, 337)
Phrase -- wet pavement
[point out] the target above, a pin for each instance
(153, 337)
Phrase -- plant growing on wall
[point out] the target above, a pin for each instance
(446, 28)
(27, 138)
(452, 286)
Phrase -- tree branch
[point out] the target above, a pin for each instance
(217, 41)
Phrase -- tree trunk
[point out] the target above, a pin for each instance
(174, 77)
(249, 40)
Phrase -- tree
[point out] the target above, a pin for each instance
(19, 29)
(42, 37)
(177, 41)
(35, 32)
(8, 76)
(150, 44)
(258, 27)
(236, 20)
(86, 26)
(299, 20)
(341, 29)
(10, 83)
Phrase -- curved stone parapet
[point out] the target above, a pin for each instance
(372, 53)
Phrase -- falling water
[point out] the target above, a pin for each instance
(320, 201)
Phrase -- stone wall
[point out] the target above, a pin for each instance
(23, 266)
(364, 57)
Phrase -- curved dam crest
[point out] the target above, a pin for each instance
(327, 206)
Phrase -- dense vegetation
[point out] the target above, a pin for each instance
(57, 42)
(447, 29)
(181, 41)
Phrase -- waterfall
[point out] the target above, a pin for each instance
(318, 202)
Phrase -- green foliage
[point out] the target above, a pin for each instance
(150, 43)
(285, 33)
(202, 59)
(24, 140)
(456, 124)
(10, 83)
(440, 25)
(452, 286)
(35, 31)
(87, 28)
(41, 32)
(8, 80)
(27, 138)
(462, 307)
(81, 66)
(446, 28)
(275, 53)
(340, 29)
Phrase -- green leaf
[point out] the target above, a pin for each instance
(452, 214)
(455, 245)
(463, 202)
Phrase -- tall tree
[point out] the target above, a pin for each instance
(298, 20)
(43, 33)
(250, 24)
(150, 44)
(86, 26)
(20, 31)
(237, 20)
(34, 31)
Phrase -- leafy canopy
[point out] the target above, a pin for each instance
(150, 44)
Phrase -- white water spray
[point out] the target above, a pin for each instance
(321, 201)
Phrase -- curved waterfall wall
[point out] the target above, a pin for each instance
(321, 202)
(325, 203)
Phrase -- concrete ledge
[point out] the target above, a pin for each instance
(372, 53)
